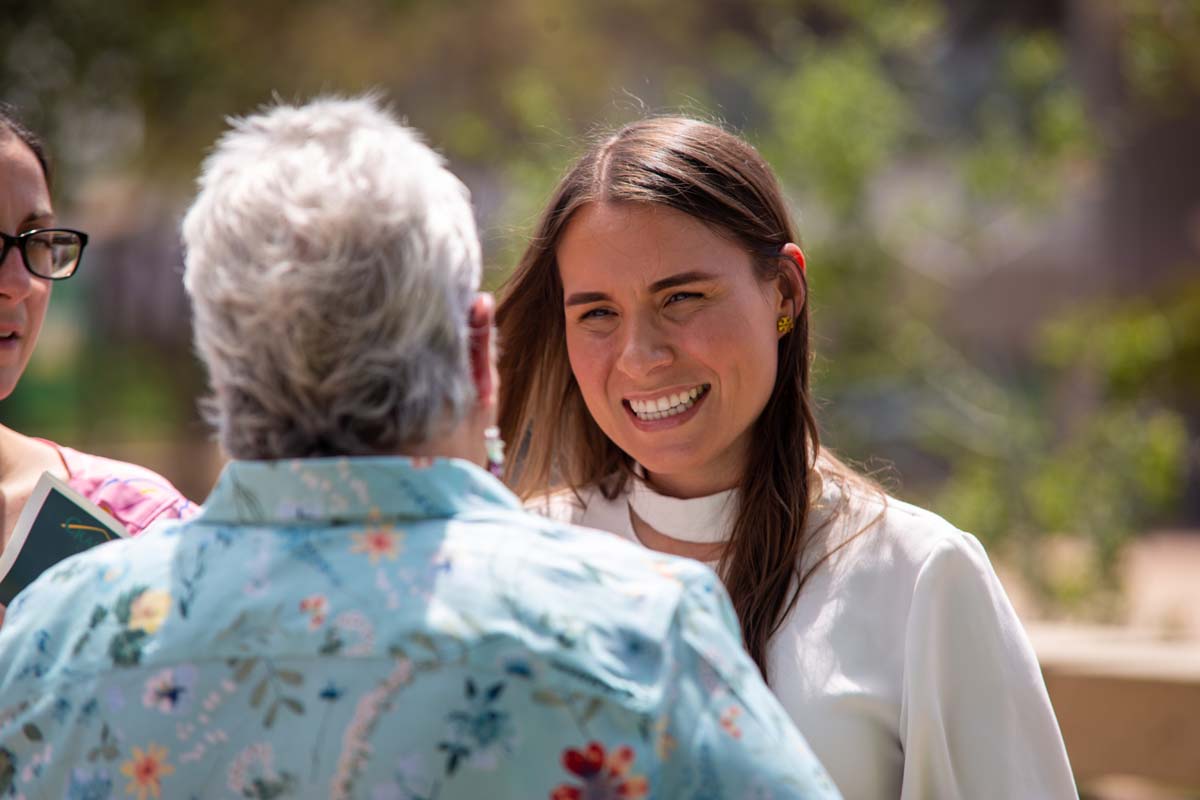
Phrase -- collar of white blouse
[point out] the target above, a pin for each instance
(704, 520)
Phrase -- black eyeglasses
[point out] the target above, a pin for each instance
(51, 253)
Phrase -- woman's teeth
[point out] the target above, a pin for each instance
(668, 405)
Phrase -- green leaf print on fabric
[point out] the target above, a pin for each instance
(8, 770)
(107, 749)
(482, 733)
(268, 693)
(124, 605)
(126, 648)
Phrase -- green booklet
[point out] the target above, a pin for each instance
(57, 522)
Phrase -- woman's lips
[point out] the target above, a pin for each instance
(672, 419)
(666, 403)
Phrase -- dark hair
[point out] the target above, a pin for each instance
(11, 123)
(716, 177)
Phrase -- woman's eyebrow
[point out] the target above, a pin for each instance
(44, 216)
(583, 298)
(672, 281)
(669, 282)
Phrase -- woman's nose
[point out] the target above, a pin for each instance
(15, 280)
(643, 350)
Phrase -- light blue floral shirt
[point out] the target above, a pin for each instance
(387, 629)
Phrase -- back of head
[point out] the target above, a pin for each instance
(11, 125)
(331, 259)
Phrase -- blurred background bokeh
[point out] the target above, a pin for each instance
(1000, 203)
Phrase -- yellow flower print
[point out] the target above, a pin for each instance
(149, 610)
(378, 541)
(146, 771)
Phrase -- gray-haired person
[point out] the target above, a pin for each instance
(361, 609)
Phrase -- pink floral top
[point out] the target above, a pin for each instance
(135, 496)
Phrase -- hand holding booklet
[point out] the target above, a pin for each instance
(57, 522)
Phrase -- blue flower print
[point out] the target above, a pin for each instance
(87, 784)
(170, 690)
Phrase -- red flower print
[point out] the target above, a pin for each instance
(146, 770)
(604, 776)
(729, 721)
(317, 607)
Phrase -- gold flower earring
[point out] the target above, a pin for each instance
(785, 324)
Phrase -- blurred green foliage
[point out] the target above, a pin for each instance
(837, 120)
(1160, 52)
(1103, 472)
(1083, 436)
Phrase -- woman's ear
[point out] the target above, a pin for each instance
(792, 284)
(482, 337)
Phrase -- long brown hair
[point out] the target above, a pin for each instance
(711, 175)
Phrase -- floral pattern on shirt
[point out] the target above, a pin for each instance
(135, 496)
(604, 775)
(374, 628)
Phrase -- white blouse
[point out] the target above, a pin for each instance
(902, 662)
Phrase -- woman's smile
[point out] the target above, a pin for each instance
(666, 404)
(669, 410)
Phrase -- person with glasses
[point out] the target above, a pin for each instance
(36, 251)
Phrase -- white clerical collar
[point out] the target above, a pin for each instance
(704, 520)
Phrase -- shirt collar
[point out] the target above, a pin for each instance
(337, 490)
(707, 520)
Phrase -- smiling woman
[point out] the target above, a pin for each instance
(663, 329)
(34, 253)
(655, 382)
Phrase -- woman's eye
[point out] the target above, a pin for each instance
(595, 313)
(675, 298)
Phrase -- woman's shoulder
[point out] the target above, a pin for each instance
(136, 496)
(876, 528)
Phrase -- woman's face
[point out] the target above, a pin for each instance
(24, 205)
(672, 338)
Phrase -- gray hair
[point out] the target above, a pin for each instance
(331, 259)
